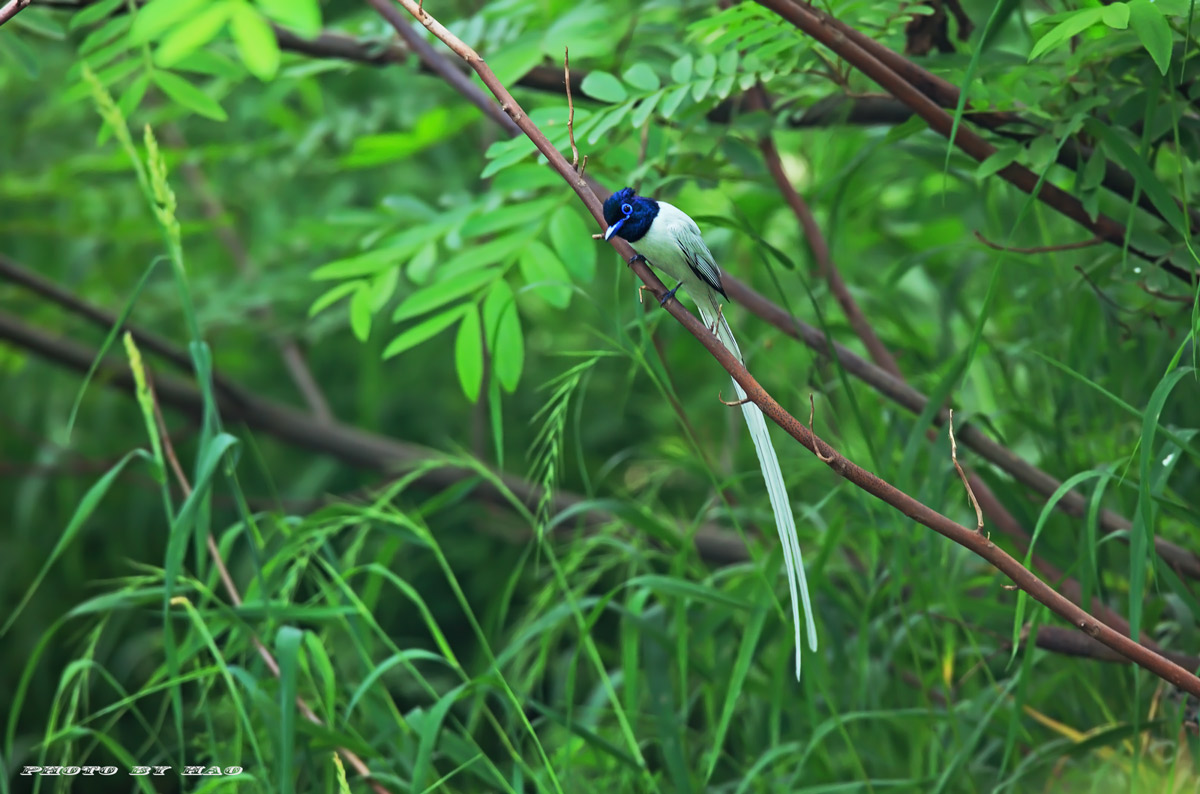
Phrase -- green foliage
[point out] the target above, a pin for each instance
(545, 587)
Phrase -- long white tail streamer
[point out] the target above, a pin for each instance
(768, 461)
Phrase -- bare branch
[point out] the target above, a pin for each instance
(837, 38)
(1041, 249)
(963, 475)
(812, 410)
(11, 9)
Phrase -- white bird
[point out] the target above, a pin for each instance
(669, 240)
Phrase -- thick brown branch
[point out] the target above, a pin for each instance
(895, 389)
(981, 495)
(898, 84)
(11, 9)
(891, 385)
(865, 480)
(348, 444)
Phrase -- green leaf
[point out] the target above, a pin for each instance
(545, 274)
(1071, 25)
(518, 213)
(360, 313)
(426, 330)
(367, 264)
(1115, 15)
(83, 511)
(727, 63)
(159, 16)
(303, 16)
(193, 34)
(673, 100)
(644, 109)
(94, 13)
(681, 70)
(468, 355)
(255, 42)
(1124, 154)
(508, 355)
(707, 65)
(610, 120)
(432, 127)
(1152, 30)
(1000, 158)
(573, 243)
(603, 86)
(642, 77)
(104, 34)
(332, 296)
(502, 331)
(493, 252)
(516, 58)
(188, 95)
(437, 295)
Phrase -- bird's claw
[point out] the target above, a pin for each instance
(635, 258)
(670, 294)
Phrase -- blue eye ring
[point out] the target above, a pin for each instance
(627, 209)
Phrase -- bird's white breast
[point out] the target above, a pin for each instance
(661, 243)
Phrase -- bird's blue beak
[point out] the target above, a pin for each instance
(613, 229)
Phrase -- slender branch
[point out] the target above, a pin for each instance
(11, 9)
(1111, 231)
(980, 494)
(1040, 249)
(1072, 154)
(892, 386)
(834, 109)
(235, 597)
(179, 358)
(1072, 503)
(820, 251)
(842, 466)
(348, 444)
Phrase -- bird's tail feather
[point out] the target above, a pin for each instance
(769, 463)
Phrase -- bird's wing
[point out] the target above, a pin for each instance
(695, 252)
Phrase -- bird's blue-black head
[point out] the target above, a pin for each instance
(629, 215)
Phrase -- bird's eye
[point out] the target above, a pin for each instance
(627, 209)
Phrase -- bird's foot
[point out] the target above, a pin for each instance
(670, 294)
(635, 258)
(717, 322)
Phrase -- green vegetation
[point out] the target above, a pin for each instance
(480, 507)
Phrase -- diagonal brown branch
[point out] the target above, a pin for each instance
(842, 466)
(981, 494)
(890, 384)
(1104, 227)
(11, 9)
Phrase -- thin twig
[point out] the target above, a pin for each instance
(845, 468)
(733, 403)
(235, 597)
(963, 475)
(812, 411)
(1186, 299)
(570, 110)
(1040, 249)
(834, 35)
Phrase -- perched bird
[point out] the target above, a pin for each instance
(669, 240)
